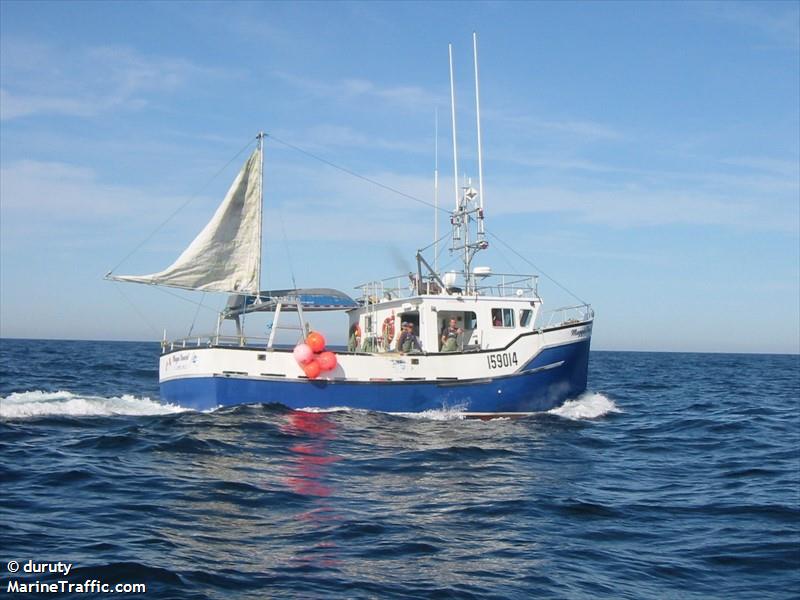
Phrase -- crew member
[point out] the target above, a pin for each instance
(408, 342)
(450, 337)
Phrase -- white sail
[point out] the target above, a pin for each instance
(226, 254)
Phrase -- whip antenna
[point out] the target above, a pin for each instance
(478, 113)
(453, 113)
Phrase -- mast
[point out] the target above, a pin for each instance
(469, 205)
(260, 138)
(453, 114)
(478, 116)
(436, 192)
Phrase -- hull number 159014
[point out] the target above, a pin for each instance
(502, 359)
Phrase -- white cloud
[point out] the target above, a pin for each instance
(583, 129)
(552, 162)
(38, 79)
(63, 202)
(346, 90)
(58, 190)
(642, 206)
(330, 204)
(322, 204)
(13, 106)
(778, 22)
(775, 166)
(326, 136)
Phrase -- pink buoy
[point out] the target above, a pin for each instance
(303, 354)
(327, 361)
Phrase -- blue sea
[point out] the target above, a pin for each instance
(674, 476)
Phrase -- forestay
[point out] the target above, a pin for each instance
(226, 254)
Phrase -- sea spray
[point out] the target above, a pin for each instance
(590, 405)
(38, 403)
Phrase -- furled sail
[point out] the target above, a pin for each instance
(226, 254)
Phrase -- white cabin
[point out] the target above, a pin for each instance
(491, 316)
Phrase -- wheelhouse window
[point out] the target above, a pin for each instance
(525, 317)
(502, 317)
(470, 320)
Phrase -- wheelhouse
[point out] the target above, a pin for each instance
(490, 316)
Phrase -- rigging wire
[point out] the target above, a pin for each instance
(368, 180)
(161, 288)
(579, 299)
(504, 257)
(286, 248)
(180, 208)
(434, 243)
(354, 174)
(441, 250)
(283, 229)
(136, 309)
(452, 260)
(420, 201)
(197, 312)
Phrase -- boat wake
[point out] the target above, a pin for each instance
(447, 413)
(21, 405)
(332, 409)
(589, 405)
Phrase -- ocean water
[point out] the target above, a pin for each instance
(674, 476)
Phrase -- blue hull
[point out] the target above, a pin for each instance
(529, 390)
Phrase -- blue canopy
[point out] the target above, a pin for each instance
(311, 299)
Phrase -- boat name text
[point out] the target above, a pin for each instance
(502, 359)
(181, 360)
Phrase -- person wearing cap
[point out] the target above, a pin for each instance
(408, 342)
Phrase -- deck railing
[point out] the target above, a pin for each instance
(211, 339)
(566, 315)
(508, 284)
(493, 284)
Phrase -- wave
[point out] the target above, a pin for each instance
(446, 413)
(589, 405)
(453, 413)
(331, 409)
(37, 403)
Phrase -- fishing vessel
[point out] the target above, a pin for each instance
(469, 340)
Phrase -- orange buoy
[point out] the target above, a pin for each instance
(315, 341)
(312, 369)
(327, 361)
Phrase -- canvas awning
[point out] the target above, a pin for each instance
(310, 299)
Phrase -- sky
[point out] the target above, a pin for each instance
(644, 155)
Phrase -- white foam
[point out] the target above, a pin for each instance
(447, 413)
(20, 405)
(332, 409)
(590, 405)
